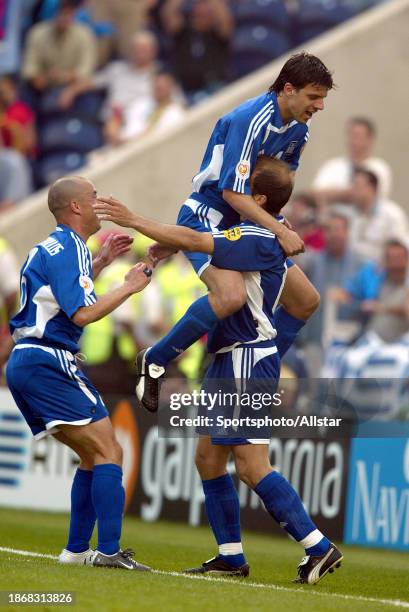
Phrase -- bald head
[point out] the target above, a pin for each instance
(64, 191)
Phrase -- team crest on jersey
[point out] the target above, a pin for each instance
(291, 148)
(243, 169)
(87, 284)
(233, 234)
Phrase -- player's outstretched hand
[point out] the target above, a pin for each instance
(138, 277)
(157, 252)
(114, 246)
(290, 242)
(111, 209)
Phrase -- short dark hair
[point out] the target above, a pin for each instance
(367, 123)
(369, 175)
(303, 69)
(272, 178)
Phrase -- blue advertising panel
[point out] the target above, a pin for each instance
(377, 512)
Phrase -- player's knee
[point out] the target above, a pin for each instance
(108, 450)
(312, 304)
(244, 472)
(208, 467)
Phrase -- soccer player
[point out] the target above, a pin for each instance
(274, 124)
(245, 348)
(53, 395)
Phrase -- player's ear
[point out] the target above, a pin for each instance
(288, 89)
(260, 199)
(75, 207)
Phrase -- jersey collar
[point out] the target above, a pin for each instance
(67, 229)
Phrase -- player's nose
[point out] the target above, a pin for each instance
(319, 105)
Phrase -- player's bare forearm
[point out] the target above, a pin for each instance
(176, 236)
(246, 206)
(104, 306)
(135, 280)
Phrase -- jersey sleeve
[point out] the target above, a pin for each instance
(242, 145)
(69, 272)
(246, 248)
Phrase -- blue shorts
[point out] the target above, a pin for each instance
(49, 389)
(252, 372)
(200, 215)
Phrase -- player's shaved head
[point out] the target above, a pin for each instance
(64, 191)
(272, 178)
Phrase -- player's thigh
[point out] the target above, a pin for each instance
(299, 296)
(252, 462)
(86, 459)
(211, 460)
(97, 439)
(227, 290)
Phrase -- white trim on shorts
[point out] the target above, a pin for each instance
(51, 427)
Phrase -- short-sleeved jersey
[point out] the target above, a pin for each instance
(55, 281)
(256, 252)
(251, 129)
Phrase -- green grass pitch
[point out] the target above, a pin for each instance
(369, 580)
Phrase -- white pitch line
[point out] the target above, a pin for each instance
(254, 585)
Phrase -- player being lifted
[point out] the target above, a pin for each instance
(273, 124)
(246, 355)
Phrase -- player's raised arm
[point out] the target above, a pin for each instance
(176, 236)
(135, 280)
(247, 208)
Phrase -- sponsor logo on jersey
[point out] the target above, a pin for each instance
(87, 284)
(243, 169)
(233, 234)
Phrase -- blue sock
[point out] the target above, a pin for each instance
(197, 321)
(287, 330)
(285, 506)
(108, 497)
(223, 512)
(83, 517)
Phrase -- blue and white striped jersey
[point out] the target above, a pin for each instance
(55, 281)
(251, 129)
(255, 252)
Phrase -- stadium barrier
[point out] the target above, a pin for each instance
(356, 490)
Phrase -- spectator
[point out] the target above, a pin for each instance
(9, 285)
(126, 17)
(127, 82)
(329, 269)
(377, 220)
(380, 293)
(16, 119)
(303, 215)
(333, 181)
(164, 112)
(60, 51)
(12, 17)
(200, 44)
(15, 178)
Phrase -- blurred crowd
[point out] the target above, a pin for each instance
(80, 75)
